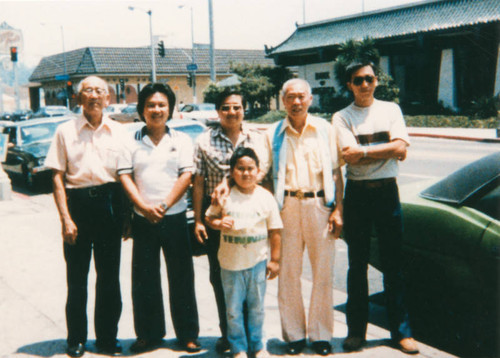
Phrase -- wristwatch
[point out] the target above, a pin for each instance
(164, 206)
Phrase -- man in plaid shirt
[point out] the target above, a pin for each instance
(213, 150)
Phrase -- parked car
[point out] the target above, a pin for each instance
(451, 243)
(52, 111)
(127, 114)
(115, 108)
(29, 142)
(16, 116)
(203, 112)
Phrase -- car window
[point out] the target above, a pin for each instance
(192, 130)
(488, 203)
(188, 108)
(207, 107)
(38, 133)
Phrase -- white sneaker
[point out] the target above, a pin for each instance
(240, 355)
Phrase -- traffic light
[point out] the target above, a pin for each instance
(69, 89)
(190, 80)
(13, 54)
(122, 85)
(161, 48)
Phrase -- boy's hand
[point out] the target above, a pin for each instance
(226, 222)
(272, 269)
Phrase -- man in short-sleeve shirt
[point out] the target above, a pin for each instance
(373, 139)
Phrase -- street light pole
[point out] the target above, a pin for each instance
(212, 53)
(65, 64)
(153, 63)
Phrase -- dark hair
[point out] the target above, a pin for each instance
(150, 90)
(226, 93)
(354, 66)
(243, 152)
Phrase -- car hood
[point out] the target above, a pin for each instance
(37, 150)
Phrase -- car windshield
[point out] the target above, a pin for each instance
(206, 107)
(38, 133)
(475, 183)
(192, 130)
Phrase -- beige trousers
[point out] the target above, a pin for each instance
(305, 224)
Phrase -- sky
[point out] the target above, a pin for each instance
(238, 24)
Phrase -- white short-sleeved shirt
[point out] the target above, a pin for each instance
(88, 156)
(382, 122)
(246, 244)
(156, 168)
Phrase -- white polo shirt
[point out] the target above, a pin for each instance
(156, 168)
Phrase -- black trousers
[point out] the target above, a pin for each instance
(365, 208)
(212, 245)
(171, 236)
(98, 215)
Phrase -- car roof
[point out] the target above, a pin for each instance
(36, 121)
(462, 185)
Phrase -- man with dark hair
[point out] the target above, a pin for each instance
(213, 149)
(156, 171)
(84, 156)
(373, 137)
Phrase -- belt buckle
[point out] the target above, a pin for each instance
(299, 194)
(93, 193)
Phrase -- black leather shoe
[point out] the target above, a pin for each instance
(190, 345)
(75, 350)
(144, 345)
(322, 347)
(296, 347)
(110, 348)
(222, 345)
(353, 343)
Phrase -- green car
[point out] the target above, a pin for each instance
(451, 246)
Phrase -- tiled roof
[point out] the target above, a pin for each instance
(137, 61)
(398, 21)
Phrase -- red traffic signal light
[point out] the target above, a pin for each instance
(13, 54)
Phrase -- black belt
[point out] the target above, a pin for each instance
(299, 194)
(97, 191)
(374, 183)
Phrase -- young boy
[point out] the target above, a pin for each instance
(248, 217)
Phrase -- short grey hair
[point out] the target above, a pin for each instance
(293, 81)
(80, 84)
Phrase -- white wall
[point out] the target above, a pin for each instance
(446, 89)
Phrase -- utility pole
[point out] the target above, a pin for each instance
(212, 53)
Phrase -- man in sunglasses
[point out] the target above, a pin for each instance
(373, 137)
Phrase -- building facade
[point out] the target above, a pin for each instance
(128, 70)
(439, 52)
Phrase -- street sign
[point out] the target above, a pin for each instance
(62, 77)
(192, 67)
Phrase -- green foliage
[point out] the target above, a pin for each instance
(271, 117)
(363, 51)
(484, 107)
(386, 89)
(354, 51)
(437, 121)
(211, 92)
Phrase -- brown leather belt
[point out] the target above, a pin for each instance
(374, 183)
(299, 194)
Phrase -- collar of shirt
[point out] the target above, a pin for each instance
(287, 124)
(218, 132)
(82, 122)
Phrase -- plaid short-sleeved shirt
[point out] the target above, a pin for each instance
(213, 150)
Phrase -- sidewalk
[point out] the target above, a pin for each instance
(33, 290)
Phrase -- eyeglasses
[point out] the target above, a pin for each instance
(358, 80)
(227, 108)
(90, 90)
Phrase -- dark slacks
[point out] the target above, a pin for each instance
(98, 215)
(363, 208)
(171, 236)
(212, 245)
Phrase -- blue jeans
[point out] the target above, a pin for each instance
(365, 207)
(239, 286)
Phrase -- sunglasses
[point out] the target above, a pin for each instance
(358, 80)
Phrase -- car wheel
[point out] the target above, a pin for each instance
(29, 179)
